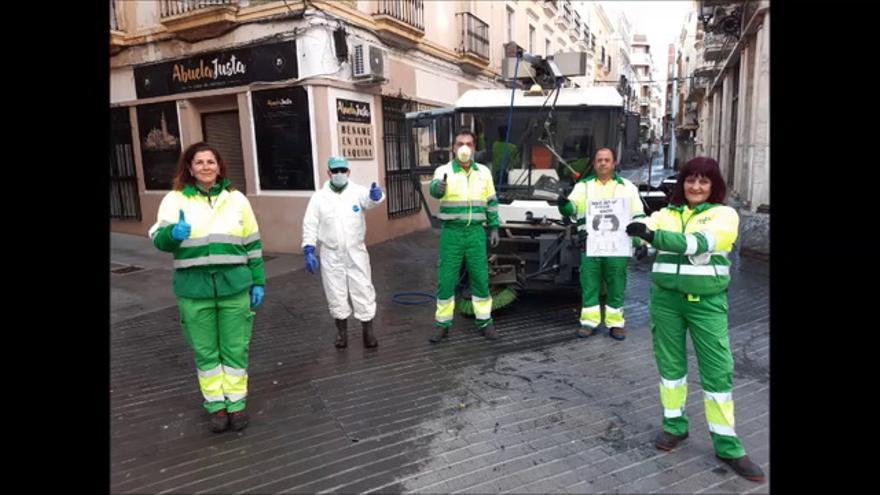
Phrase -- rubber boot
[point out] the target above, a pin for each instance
(342, 334)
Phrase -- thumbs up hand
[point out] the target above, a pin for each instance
(181, 230)
(375, 192)
(440, 188)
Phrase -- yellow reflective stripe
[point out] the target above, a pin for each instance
(211, 384)
(704, 270)
(591, 316)
(691, 244)
(614, 317)
(445, 309)
(473, 202)
(235, 387)
(213, 259)
(719, 408)
(713, 253)
(458, 216)
(673, 393)
(482, 307)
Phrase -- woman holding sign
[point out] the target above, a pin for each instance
(211, 230)
(694, 235)
(602, 267)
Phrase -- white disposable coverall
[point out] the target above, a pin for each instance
(336, 220)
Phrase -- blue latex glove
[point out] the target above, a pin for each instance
(375, 192)
(257, 293)
(311, 260)
(181, 230)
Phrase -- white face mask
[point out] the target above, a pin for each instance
(463, 154)
(339, 180)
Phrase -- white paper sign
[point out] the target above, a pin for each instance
(606, 224)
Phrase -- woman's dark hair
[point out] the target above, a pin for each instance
(183, 176)
(701, 166)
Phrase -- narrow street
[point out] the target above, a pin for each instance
(538, 411)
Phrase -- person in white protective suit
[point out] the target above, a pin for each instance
(335, 218)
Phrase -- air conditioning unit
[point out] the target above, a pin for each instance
(368, 62)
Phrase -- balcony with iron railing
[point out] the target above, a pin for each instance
(193, 20)
(695, 88)
(703, 68)
(716, 46)
(473, 46)
(400, 22)
(563, 19)
(173, 8)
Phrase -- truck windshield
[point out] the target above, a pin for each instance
(533, 170)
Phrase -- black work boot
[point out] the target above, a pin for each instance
(342, 334)
(239, 420)
(668, 441)
(369, 340)
(745, 467)
(489, 332)
(219, 421)
(438, 334)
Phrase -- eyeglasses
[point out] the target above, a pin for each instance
(339, 171)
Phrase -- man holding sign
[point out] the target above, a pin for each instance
(604, 203)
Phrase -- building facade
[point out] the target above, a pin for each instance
(280, 86)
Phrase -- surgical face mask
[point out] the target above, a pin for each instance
(463, 154)
(339, 180)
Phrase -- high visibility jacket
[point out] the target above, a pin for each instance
(590, 188)
(470, 196)
(693, 247)
(223, 255)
